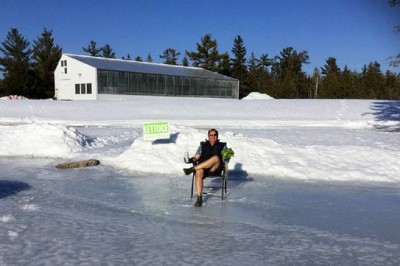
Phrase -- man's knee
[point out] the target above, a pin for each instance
(199, 173)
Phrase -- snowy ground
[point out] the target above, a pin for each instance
(312, 182)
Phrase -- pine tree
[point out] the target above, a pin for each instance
(92, 49)
(259, 78)
(331, 86)
(185, 61)
(224, 66)
(128, 57)
(290, 80)
(372, 81)
(45, 59)
(349, 84)
(392, 86)
(253, 79)
(207, 55)
(330, 66)
(149, 58)
(238, 63)
(107, 51)
(170, 56)
(138, 58)
(15, 64)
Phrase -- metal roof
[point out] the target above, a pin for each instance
(145, 67)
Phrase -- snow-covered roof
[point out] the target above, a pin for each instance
(145, 67)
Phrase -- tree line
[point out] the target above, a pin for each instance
(29, 71)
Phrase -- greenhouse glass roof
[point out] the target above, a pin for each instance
(145, 67)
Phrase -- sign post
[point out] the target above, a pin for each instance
(156, 130)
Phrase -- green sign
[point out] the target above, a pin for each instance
(156, 130)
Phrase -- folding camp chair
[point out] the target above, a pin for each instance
(222, 179)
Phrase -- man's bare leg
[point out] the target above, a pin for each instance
(213, 163)
(199, 181)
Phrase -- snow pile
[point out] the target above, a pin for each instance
(257, 96)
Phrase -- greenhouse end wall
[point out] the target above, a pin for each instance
(134, 83)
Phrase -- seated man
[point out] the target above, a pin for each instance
(207, 162)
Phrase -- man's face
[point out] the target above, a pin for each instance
(212, 137)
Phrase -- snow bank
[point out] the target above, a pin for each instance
(260, 156)
(43, 140)
(43, 129)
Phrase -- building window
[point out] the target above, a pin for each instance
(65, 70)
(64, 63)
(118, 82)
(83, 88)
(89, 88)
(77, 89)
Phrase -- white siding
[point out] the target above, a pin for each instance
(76, 73)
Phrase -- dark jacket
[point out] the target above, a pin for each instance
(208, 151)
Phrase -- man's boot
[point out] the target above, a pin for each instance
(188, 171)
(199, 201)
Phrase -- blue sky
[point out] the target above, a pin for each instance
(355, 32)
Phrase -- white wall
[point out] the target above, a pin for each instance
(77, 73)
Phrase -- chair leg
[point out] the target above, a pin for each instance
(225, 180)
(223, 186)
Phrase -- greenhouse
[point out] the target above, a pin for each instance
(89, 78)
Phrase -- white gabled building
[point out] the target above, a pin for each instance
(79, 77)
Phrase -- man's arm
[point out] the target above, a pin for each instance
(196, 157)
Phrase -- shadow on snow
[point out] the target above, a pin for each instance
(385, 111)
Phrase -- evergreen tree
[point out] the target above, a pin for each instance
(224, 66)
(392, 86)
(253, 77)
(108, 51)
(331, 86)
(372, 81)
(149, 58)
(252, 62)
(15, 64)
(207, 55)
(238, 63)
(170, 56)
(290, 80)
(92, 49)
(45, 57)
(330, 66)
(128, 57)
(185, 61)
(138, 58)
(350, 84)
(259, 78)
